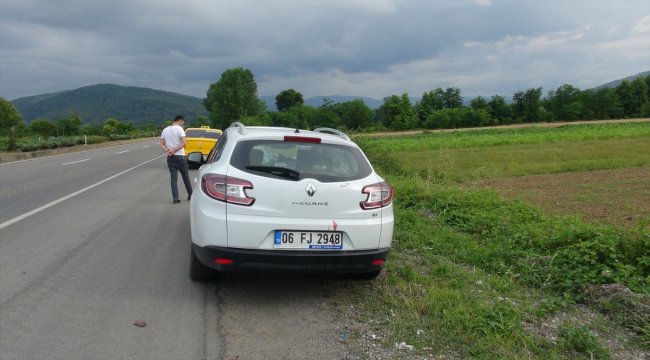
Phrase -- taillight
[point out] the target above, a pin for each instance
(379, 195)
(223, 261)
(228, 189)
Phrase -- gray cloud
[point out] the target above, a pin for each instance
(362, 48)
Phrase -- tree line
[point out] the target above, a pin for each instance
(65, 131)
(234, 98)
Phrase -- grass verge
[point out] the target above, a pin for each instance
(474, 275)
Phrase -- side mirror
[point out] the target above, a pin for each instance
(195, 159)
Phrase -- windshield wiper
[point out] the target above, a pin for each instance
(277, 171)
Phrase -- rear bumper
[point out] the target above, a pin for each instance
(319, 262)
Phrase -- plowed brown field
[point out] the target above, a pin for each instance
(616, 197)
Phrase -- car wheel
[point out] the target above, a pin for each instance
(200, 272)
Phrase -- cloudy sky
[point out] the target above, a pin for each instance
(373, 48)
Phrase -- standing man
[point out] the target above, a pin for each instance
(172, 141)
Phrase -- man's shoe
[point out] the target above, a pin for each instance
(176, 201)
(188, 197)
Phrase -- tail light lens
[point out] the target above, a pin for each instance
(227, 189)
(378, 195)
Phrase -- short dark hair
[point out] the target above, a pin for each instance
(179, 117)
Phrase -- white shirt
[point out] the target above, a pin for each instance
(172, 135)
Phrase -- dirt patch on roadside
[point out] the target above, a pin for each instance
(616, 197)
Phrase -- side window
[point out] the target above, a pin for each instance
(216, 151)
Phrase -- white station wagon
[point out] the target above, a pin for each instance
(289, 200)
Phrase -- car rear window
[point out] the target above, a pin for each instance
(295, 160)
(195, 133)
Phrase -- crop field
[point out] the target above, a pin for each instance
(515, 243)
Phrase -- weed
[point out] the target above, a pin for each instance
(580, 341)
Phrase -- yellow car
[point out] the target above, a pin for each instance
(201, 139)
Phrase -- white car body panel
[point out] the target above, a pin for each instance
(284, 204)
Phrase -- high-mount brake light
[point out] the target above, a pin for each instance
(227, 189)
(379, 195)
(305, 139)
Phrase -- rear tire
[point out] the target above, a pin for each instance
(200, 272)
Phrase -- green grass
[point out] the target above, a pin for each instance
(472, 155)
(498, 161)
(505, 136)
(471, 273)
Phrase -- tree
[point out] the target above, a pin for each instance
(110, 126)
(479, 103)
(232, 98)
(527, 105)
(327, 114)
(499, 110)
(283, 119)
(124, 128)
(43, 127)
(397, 113)
(452, 98)
(633, 96)
(457, 118)
(68, 126)
(564, 103)
(287, 99)
(601, 104)
(201, 120)
(94, 129)
(355, 114)
(640, 94)
(431, 101)
(9, 116)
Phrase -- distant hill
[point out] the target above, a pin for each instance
(615, 83)
(96, 103)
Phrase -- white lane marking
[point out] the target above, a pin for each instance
(146, 146)
(74, 162)
(37, 210)
(122, 152)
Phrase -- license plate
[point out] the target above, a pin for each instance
(323, 240)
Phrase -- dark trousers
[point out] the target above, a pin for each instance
(175, 164)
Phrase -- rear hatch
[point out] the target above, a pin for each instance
(303, 193)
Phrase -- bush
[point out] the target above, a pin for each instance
(36, 143)
(457, 118)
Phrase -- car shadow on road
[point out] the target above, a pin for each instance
(279, 287)
(289, 316)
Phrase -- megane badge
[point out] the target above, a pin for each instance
(310, 189)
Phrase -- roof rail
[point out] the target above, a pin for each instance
(341, 134)
(242, 127)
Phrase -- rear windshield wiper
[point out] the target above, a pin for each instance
(277, 171)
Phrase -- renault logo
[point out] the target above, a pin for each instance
(310, 189)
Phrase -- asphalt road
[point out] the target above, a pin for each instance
(90, 244)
